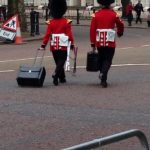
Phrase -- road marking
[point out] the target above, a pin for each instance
(134, 47)
(5, 71)
(23, 59)
(122, 65)
(119, 65)
(145, 45)
(126, 48)
(83, 67)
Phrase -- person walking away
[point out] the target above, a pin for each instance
(148, 17)
(129, 14)
(102, 36)
(59, 31)
(138, 9)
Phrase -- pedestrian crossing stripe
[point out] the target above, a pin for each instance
(11, 24)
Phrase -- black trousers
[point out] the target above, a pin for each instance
(130, 18)
(105, 55)
(60, 57)
(138, 18)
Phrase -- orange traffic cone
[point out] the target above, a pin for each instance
(18, 39)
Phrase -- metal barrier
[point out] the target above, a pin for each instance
(112, 139)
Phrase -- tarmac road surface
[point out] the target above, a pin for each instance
(56, 117)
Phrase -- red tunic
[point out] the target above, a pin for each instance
(105, 19)
(58, 26)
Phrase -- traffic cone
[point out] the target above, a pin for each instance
(18, 39)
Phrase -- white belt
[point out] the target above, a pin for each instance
(59, 40)
(107, 35)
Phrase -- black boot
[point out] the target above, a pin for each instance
(104, 80)
(104, 84)
(55, 80)
(62, 80)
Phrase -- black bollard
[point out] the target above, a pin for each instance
(4, 12)
(37, 23)
(78, 16)
(46, 17)
(34, 20)
(94, 10)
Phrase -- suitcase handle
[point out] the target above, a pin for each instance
(93, 50)
(36, 56)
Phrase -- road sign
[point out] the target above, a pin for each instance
(7, 34)
(11, 24)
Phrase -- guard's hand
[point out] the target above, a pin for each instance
(41, 49)
(93, 49)
(72, 47)
(120, 34)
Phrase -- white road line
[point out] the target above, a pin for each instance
(5, 71)
(122, 65)
(83, 67)
(119, 65)
(133, 47)
(145, 45)
(126, 48)
(23, 59)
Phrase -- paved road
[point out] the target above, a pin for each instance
(52, 118)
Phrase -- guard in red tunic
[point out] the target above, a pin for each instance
(103, 34)
(59, 32)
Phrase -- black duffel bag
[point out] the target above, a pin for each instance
(92, 64)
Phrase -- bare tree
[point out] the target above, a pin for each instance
(18, 7)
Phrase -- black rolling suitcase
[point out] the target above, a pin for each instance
(92, 62)
(32, 75)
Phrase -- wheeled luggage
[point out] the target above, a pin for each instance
(32, 75)
(92, 62)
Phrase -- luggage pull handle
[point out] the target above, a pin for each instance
(36, 57)
(93, 50)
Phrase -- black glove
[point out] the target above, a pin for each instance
(42, 47)
(93, 45)
(72, 47)
(120, 34)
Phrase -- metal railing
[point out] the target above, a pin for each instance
(112, 139)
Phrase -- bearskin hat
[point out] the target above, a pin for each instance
(57, 8)
(105, 2)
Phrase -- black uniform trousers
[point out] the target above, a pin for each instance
(60, 57)
(105, 55)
